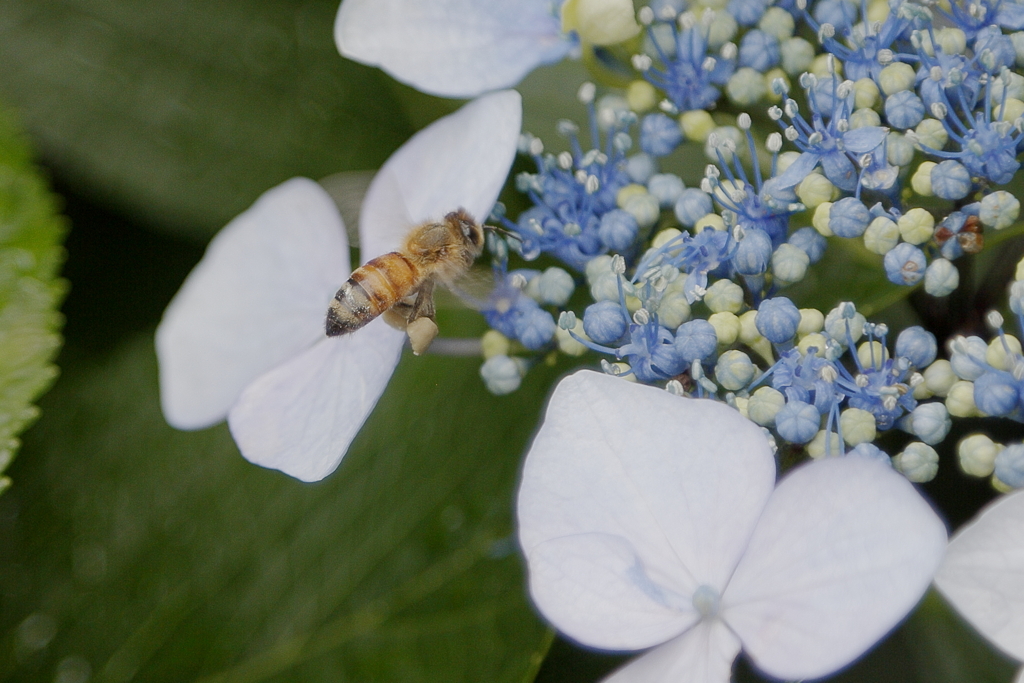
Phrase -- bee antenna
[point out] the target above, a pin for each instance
(503, 231)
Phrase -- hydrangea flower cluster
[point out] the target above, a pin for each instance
(905, 120)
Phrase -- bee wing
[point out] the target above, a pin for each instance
(473, 289)
(301, 416)
(348, 189)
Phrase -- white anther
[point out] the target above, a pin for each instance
(743, 121)
(828, 373)
(939, 110)
(774, 143)
(592, 184)
(675, 387)
(641, 317)
(994, 320)
(792, 108)
(885, 56)
(668, 107)
(618, 264)
(586, 92)
(565, 160)
(791, 134)
(825, 32)
(645, 15)
(641, 62)
(729, 51)
(708, 64)
(774, 113)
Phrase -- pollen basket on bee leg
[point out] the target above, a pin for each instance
(374, 288)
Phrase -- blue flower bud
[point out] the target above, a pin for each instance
(659, 134)
(839, 13)
(968, 357)
(618, 229)
(812, 242)
(797, 422)
(555, 286)
(917, 345)
(1010, 465)
(640, 167)
(746, 12)
(904, 109)
(692, 205)
(753, 252)
(759, 50)
(502, 374)
(996, 393)
(849, 217)
(1017, 297)
(869, 451)
(777, 319)
(951, 180)
(535, 327)
(666, 188)
(930, 422)
(696, 340)
(904, 264)
(604, 322)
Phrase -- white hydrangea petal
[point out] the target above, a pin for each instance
(258, 297)
(704, 654)
(982, 574)
(461, 160)
(683, 480)
(844, 550)
(451, 48)
(594, 588)
(301, 416)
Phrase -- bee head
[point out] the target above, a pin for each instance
(471, 231)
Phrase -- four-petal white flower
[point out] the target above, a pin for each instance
(649, 519)
(452, 48)
(982, 574)
(244, 337)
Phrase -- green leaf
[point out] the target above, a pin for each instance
(847, 272)
(182, 113)
(150, 554)
(31, 232)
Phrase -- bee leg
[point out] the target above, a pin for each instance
(423, 306)
(398, 315)
(421, 328)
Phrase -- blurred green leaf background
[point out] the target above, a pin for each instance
(133, 552)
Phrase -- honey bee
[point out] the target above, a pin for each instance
(400, 285)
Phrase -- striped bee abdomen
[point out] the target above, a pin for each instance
(373, 288)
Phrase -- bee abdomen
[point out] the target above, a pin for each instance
(374, 288)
